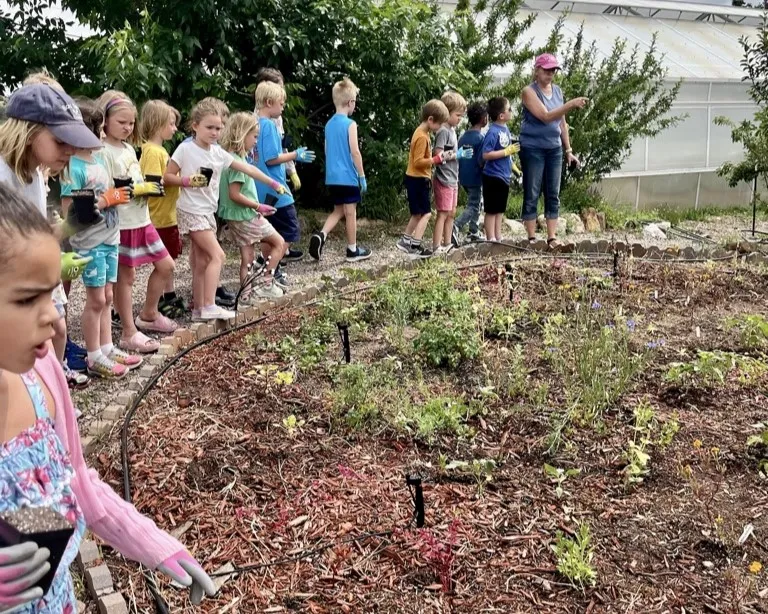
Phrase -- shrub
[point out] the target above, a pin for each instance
(446, 342)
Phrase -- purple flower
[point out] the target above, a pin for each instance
(631, 325)
(596, 305)
(652, 345)
(551, 350)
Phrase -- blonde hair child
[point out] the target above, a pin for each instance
(139, 241)
(239, 206)
(196, 166)
(159, 122)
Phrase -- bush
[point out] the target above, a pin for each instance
(446, 342)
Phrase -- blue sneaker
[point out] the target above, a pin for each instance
(75, 356)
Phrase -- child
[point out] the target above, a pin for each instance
(446, 180)
(497, 151)
(139, 242)
(43, 129)
(470, 170)
(418, 177)
(239, 205)
(270, 100)
(99, 242)
(198, 203)
(158, 124)
(344, 174)
(41, 458)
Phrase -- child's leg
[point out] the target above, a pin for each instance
(209, 259)
(490, 226)
(448, 229)
(247, 255)
(126, 275)
(437, 235)
(93, 312)
(421, 226)
(157, 282)
(349, 212)
(105, 325)
(272, 247)
(499, 220)
(333, 219)
(412, 223)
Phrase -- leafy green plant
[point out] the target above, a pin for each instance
(480, 469)
(446, 342)
(712, 369)
(440, 415)
(508, 321)
(637, 462)
(354, 397)
(753, 330)
(291, 424)
(669, 429)
(558, 476)
(758, 444)
(574, 557)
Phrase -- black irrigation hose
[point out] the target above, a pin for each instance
(160, 604)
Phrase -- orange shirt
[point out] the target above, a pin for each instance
(420, 156)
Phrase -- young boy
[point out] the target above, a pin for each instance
(446, 180)
(470, 170)
(497, 151)
(418, 178)
(344, 173)
(270, 101)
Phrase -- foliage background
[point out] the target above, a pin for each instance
(399, 52)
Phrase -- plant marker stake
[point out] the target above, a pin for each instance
(615, 264)
(344, 334)
(417, 494)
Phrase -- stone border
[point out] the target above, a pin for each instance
(98, 578)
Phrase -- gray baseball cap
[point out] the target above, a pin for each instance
(42, 104)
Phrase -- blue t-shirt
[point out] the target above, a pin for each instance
(270, 146)
(339, 167)
(536, 134)
(498, 138)
(470, 170)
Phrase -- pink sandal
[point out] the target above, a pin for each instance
(139, 343)
(161, 324)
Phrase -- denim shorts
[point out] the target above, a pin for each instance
(102, 270)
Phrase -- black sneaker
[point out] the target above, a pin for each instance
(224, 298)
(361, 253)
(281, 279)
(293, 255)
(116, 323)
(421, 251)
(316, 245)
(455, 242)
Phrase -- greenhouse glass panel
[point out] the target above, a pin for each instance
(667, 189)
(683, 145)
(727, 92)
(636, 160)
(620, 190)
(691, 91)
(714, 192)
(721, 146)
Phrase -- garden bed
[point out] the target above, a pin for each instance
(581, 432)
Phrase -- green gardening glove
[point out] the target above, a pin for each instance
(72, 265)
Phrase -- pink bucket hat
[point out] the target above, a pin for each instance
(546, 61)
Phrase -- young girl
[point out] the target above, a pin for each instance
(196, 166)
(99, 242)
(41, 458)
(43, 130)
(139, 242)
(158, 124)
(239, 205)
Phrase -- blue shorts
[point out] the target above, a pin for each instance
(285, 221)
(344, 194)
(102, 270)
(418, 189)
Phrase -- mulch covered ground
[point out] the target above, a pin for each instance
(240, 452)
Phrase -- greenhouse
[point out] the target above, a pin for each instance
(700, 43)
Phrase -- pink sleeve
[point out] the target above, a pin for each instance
(111, 518)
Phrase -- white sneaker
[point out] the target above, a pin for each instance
(442, 250)
(270, 290)
(215, 312)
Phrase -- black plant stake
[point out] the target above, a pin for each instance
(344, 334)
(417, 494)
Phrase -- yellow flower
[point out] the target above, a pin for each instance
(697, 443)
(755, 567)
(714, 451)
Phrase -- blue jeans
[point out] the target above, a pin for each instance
(541, 169)
(472, 213)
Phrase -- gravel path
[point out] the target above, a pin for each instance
(380, 238)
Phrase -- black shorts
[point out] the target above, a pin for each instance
(344, 194)
(285, 221)
(495, 195)
(418, 189)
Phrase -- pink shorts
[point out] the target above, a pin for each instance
(446, 197)
(140, 246)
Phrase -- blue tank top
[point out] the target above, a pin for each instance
(339, 167)
(535, 133)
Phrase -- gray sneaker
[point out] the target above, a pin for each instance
(404, 246)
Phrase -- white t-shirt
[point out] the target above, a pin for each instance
(34, 192)
(122, 162)
(191, 157)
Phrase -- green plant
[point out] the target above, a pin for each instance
(440, 415)
(712, 369)
(574, 557)
(508, 321)
(759, 445)
(354, 397)
(291, 424)
(753, 330)
(480, 470)
(637, 461)
(558, 476)
(446, 342)
(669, 429)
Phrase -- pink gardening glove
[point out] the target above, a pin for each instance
(21, 567)
(185, 570)
(278, 187)
(266, 210)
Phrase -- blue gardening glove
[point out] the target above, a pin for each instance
(185, 570)
(363, 184)
(465, 153)
(305, 155)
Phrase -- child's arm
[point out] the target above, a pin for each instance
(115, 521)
(172, 177)
(256, 174)
(421, 143)
(354, 148)
(236, 196)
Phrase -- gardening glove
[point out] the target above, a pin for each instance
(363, 184)
(71, 226)
(72, 265)
(512, 149)
(278, 187)
(266, 210)
(148, 188)
(185, 570)
(21, 567)
(117, 196)
(465, 153)
(295, 181)
(198, 180)
(305, 155)
(440, 158)
(516, 170)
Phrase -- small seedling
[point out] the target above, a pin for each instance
(558, 475)
(291, 424)
(574, 557)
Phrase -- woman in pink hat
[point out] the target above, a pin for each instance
(543, 141)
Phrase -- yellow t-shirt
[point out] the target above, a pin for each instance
(420, 156)
(162, 209)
